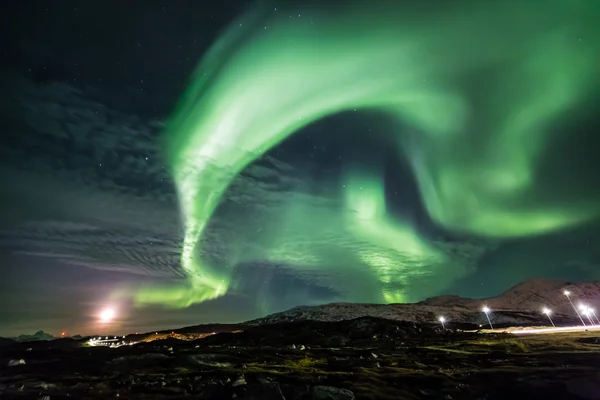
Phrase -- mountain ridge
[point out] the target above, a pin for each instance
(520, 304)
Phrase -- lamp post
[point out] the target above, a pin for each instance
(486, 310)
(442, 320)
(585, 310)
(547, 311)
(594, 314)
(567, 293)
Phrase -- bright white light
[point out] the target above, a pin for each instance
(566, 293)
(486, 310)
(550, 330)
(442, 320)
(585, 310)
(107, 315)
(546, 310)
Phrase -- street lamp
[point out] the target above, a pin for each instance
(442, 320)
(585, 310)
(567, 293)
(547, 311)
(594, 314)
(486, 310)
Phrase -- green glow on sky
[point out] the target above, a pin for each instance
(477, 147)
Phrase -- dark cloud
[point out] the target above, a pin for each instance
(85, 183)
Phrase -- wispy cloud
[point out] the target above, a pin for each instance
(93, 191)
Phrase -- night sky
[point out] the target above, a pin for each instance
(184, 166)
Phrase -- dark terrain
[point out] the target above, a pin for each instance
(365, 358)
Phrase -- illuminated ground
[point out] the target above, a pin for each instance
(372, 358)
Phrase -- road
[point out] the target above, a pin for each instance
(561, 329)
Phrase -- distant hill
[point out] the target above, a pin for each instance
(39, 335)
(521, 304)
(205, 328)
(532, 294)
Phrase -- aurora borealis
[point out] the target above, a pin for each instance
(189, 164)
(473, 151)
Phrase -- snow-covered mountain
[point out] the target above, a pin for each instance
(521, 304)
(531, 295)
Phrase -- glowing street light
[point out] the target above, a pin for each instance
(442, 320)
(589, 312)
(547, 311)
(567, 293)
(585, 310)
(486, 310)
(594, 314)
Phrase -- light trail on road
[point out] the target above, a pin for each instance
(557, 330)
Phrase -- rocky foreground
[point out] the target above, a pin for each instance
(365, 358)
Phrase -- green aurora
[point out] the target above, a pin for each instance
(474, 149)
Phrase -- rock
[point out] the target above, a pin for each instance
(239, 381)
(45, 386)
(331, 393)
(207, 359)
(14, 363)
